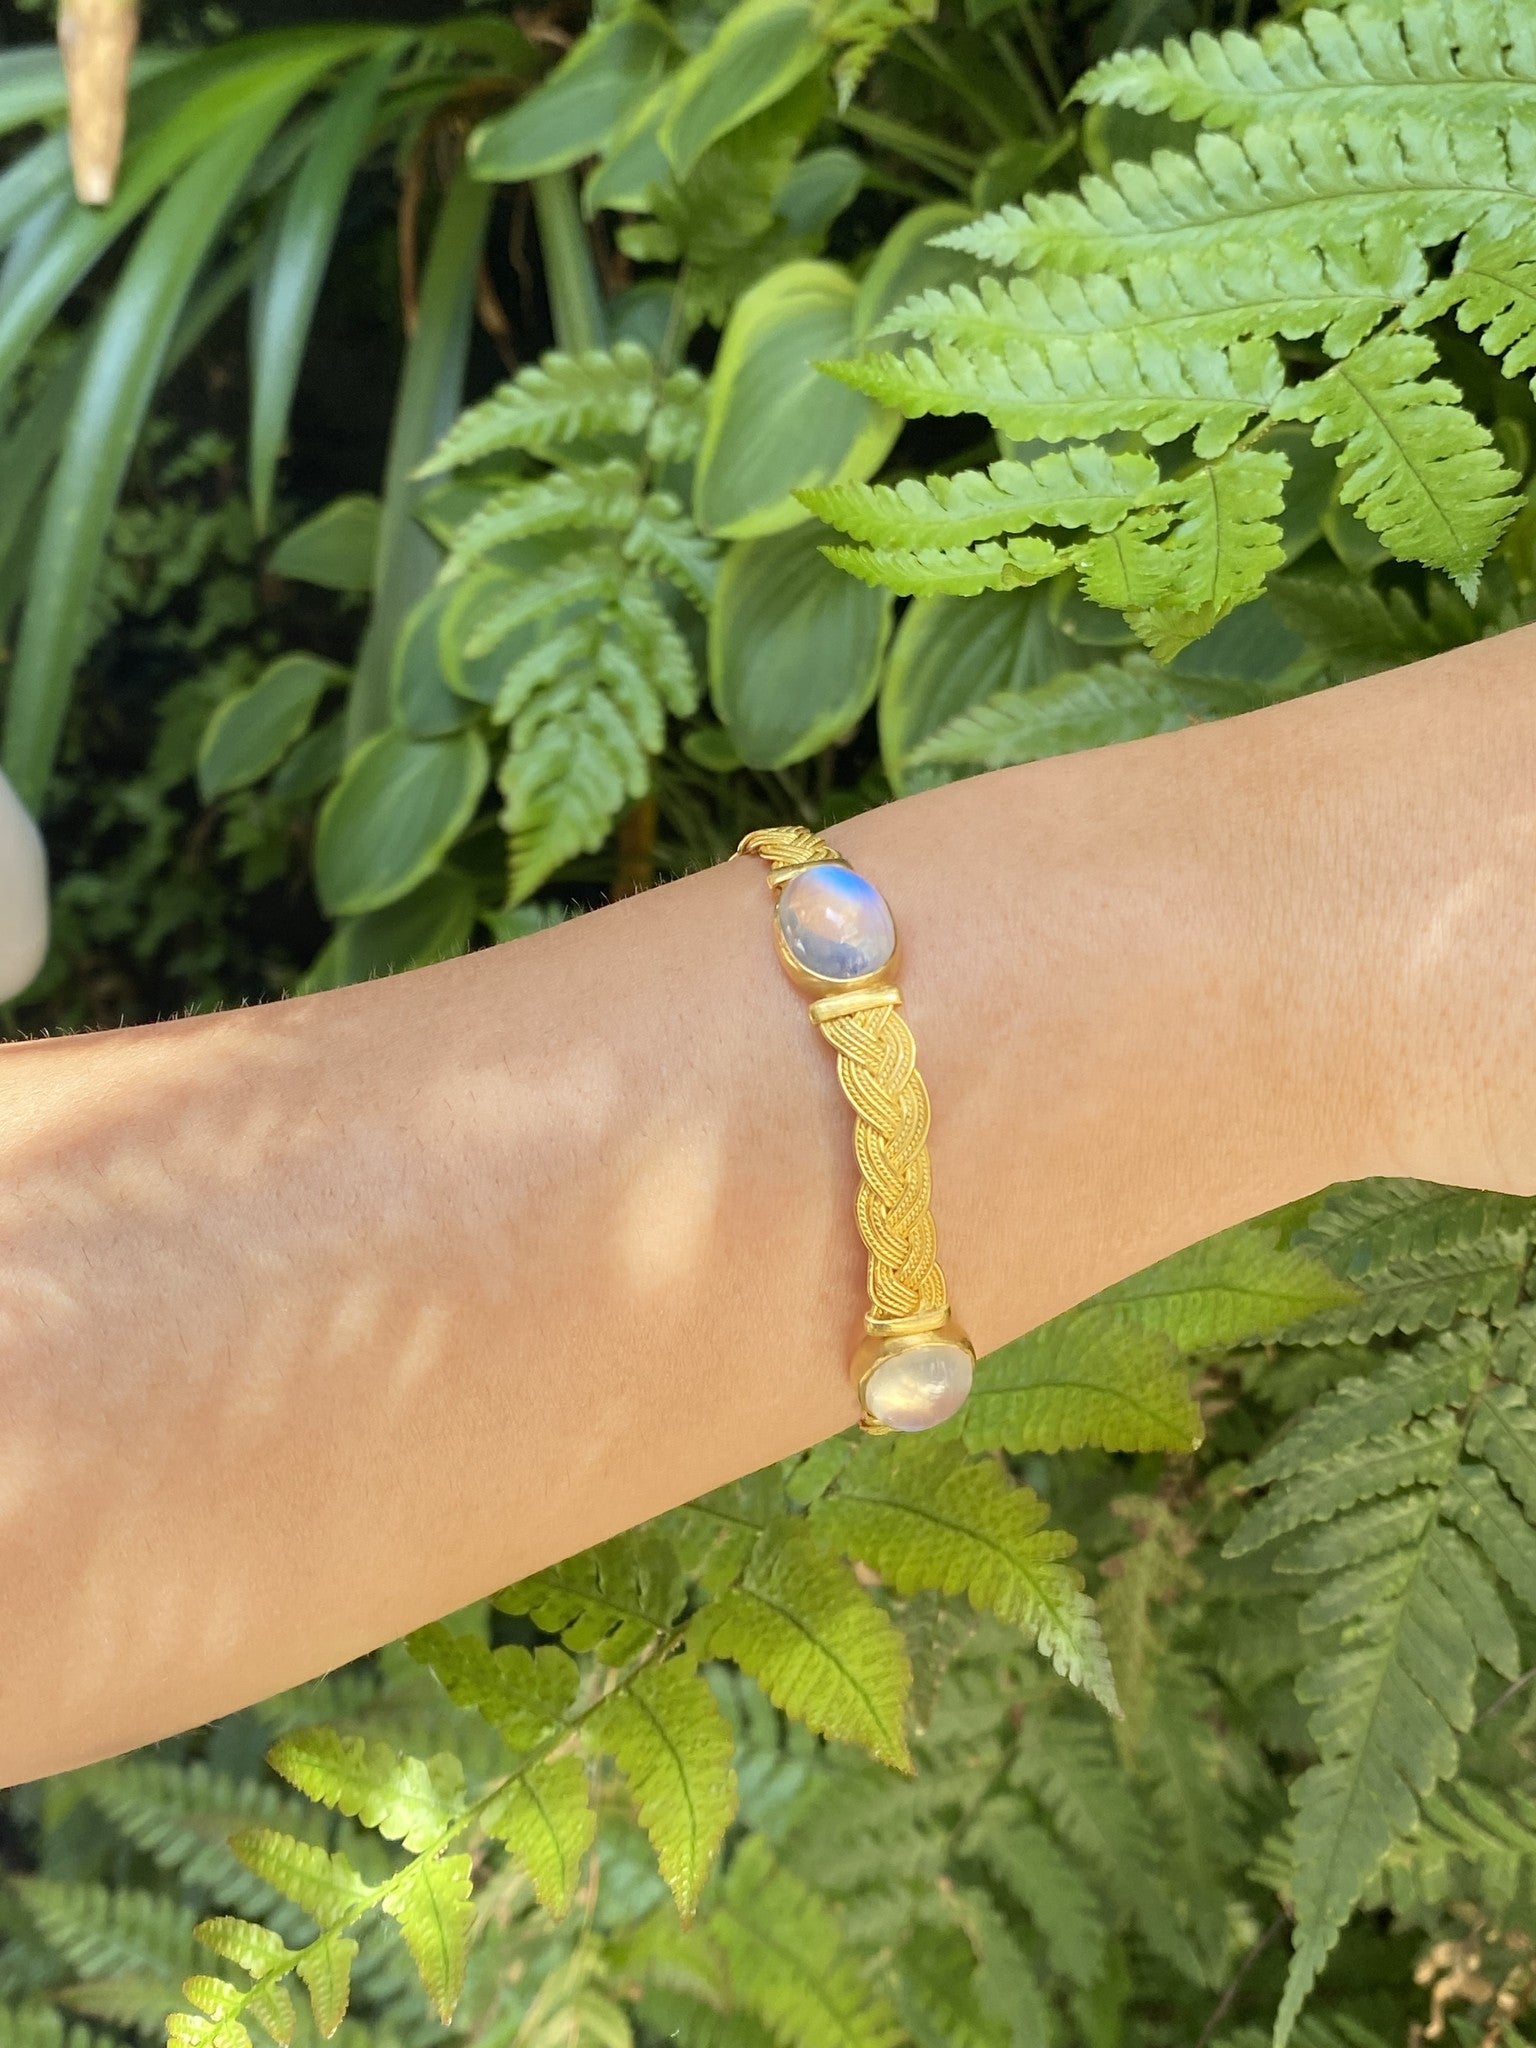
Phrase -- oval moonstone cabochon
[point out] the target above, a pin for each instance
(919, 1387)
(835, 924)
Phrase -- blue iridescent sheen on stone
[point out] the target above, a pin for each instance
(835, 924)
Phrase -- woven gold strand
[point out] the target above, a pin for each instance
(877, 1071)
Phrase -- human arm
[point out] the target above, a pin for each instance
(320, 1320)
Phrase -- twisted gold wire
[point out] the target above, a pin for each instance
(877, 1071)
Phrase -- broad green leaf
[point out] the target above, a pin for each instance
(435, 1912)
(326, 1969)
(237, 83)
(251, 731)
(668, 1736)
(545, 1818)
(924, 1515)
(335, 548)
(775, 424)
(421, 700)
(283, 306)
(760, 50)
(430, 393)
(119, 381)
(399, 806)
(572, 112)
(794, 647)
(823, 1650)
(327, 1886)
(407, 1799)
(1070, 1384)
(31, 191)
(434, 921)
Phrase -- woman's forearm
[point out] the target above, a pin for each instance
(320, 1320)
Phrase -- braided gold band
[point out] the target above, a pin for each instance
(839, 948)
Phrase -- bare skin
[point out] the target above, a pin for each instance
(320, 1320)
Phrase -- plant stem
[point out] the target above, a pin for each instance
(938, 64)
(570, 275)
(1040, 110)
(1040, 47)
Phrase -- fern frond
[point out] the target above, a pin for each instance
(326, 1885)
(614, 1599)
(522, 1693)
(952, 572)
(545, 1818)
(1067, 1385)
(1288, 289)
(1451, 60)
(434, 1911)
(823, 1650)
(405, 1798)
(860, 29)
(924, 1515)
(1419, 1255)
(555, 401)
(1422, 1486)
(1089, 707)
(1105, 383)
(182, 1815)
(787, 1963)
(1084, 486)
(668, 1736)
(1036, 1870)
(1421, 472)
(1173, 587)
(662, 538)
(1318, 183)
(1492, 288)
(603, 496)
(131, 1947)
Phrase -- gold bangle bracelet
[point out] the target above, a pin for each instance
(837, 943)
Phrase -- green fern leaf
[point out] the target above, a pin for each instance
(435, 1912)
(325, 1884)
(1452, 58)
(951, 572)
(1287, 289)
(193, 2030)
(1318, 184)
(1070, 1384)
(1223, 545)
(1418, 469)
(522, 1693)
(1089, 707)
(1406, 1480)
(860, 29)
(326, 1969)
(1492, 288)
(1037, 1871)
(182, 1815)
(938, 1993)
(614, 1599)
(137, 1941)
(1419, 1255)
(1108, 384)
(597, 496)
(1068, 487)
(404, 1798)
(674, 1746)
(923, 1514)
(825, 1653)
(787, 1962)
(551, 403)
(545, 1819)
(1235, 1288)
(576, 582)
(258, 1950)
(664, 539)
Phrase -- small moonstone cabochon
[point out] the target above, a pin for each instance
(919, 1387)
(835, 925)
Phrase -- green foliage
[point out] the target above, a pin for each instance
(821, 1758)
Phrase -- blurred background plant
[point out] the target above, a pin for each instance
(412, 532)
